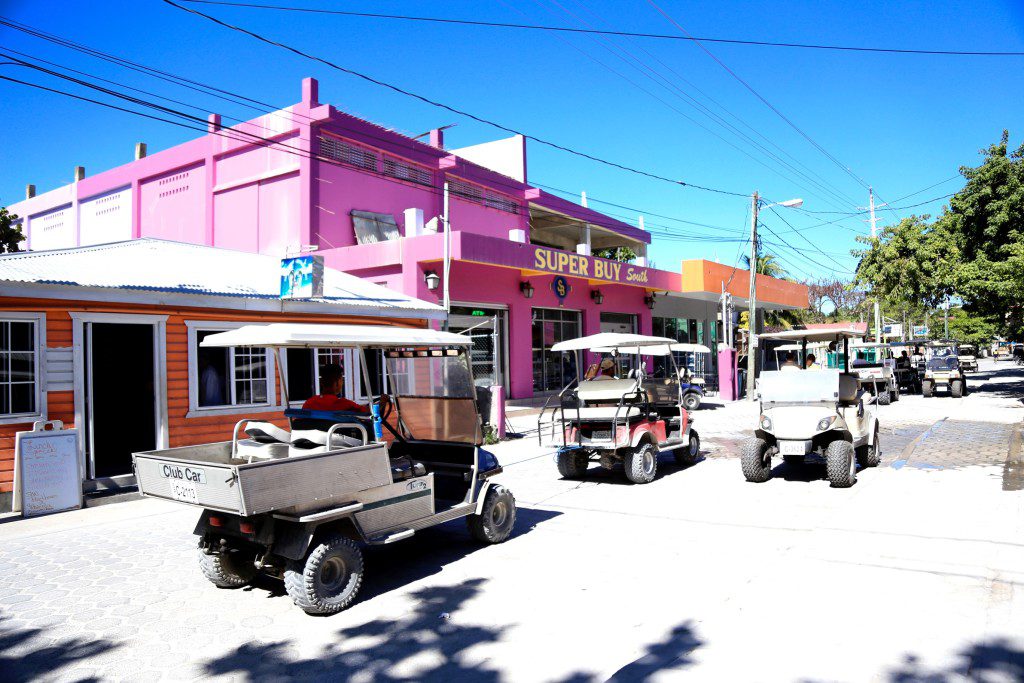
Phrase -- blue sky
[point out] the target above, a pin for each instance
(900, 123)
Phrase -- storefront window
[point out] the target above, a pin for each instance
(552, 371)
(304, 370)
(486, 327)
(230, 377)
(18, 367)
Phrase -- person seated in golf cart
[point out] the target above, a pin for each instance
(790, 362)
(332, 379)
(604, 370)
(810, 364)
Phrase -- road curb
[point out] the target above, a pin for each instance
(1013, 470)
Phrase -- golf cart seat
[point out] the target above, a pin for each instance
(311, 427)
(266, 441)
(849, 387)
(598, 390)
(605, 413)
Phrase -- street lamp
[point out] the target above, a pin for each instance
(752, 309)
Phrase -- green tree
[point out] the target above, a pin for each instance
(768, 264)
(10, 234)
(964, 327)
(986, 220)
(623, 254)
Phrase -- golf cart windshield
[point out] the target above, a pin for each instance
(805, 386)
(433, 390)
(943, 363)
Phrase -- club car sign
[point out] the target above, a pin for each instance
(564, 263)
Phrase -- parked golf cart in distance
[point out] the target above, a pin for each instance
(619, 421)
(943, 370)
(968, 355)
(300, 504)
(813, 411)
(691, 387)
(876, 368)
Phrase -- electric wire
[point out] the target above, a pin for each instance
(450, 108)
(608, 32)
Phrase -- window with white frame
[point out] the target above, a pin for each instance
(304, 367)
(19, 367)
(238, 376)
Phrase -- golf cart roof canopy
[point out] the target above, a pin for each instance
(813, 335)
(660, 350)
(611, 341)
(312, 335)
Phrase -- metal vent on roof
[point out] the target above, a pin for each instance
(348, 154)
(396, 168)
(478, 195)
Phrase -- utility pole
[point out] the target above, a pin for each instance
(945, 334)
(874, 235)
(752, 307)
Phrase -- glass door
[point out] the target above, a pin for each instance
(552, 371)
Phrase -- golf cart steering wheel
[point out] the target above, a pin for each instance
(384, 406)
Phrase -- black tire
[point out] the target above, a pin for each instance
(883, 399)
(956, 388)
(841, 464)
(755, 461)
(496, 520)
(927, 388)
(641, 463)
(572, 464)
(328, 580)
(227, 569)
(896, 394)
(870, 456)
(690, 453)
(691, 401)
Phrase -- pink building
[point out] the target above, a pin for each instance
(371, 201)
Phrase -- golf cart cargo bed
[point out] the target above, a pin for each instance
(208, 477)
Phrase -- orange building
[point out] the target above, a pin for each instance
(106, 340)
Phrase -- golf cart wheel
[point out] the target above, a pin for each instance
(927, 388)
(870, 455)
(754, 458)
(328, 580)
(691, 401)
(572, 464)
(896, 394)
(841, 464)
(641, 463)
(956, 388)
(883, 398)
(690, 453)
(227, 569)
(495, 522)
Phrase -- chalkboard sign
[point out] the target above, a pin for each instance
(48, 476)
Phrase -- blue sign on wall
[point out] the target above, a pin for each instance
(302, 277)
(560, 286)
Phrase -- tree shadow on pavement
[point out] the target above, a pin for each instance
(427, 553)
(996, 660)
(671, 654)
(30, 654)
(427, 643)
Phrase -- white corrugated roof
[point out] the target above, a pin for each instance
(305, 335)
(163, 266)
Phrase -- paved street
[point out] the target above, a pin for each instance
(914, 574)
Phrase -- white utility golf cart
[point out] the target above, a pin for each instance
(813, 411)
(616, 420)
(874, 364)
(943, 370)
(298, 504)
(968, 354)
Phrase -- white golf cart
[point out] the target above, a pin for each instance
(874, 364)
(813, 411)
(943, 370)
(968, 354)
(617, 420)
(297, 504)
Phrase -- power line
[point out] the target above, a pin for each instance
(450, 108)
(608, 32)
(199, 124)
(758, 95)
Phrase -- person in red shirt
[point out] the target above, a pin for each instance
(331, 380)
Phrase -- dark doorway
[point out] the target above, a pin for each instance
(121, 410)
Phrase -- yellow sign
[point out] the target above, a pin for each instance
(565, 263)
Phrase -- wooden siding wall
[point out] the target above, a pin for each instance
(182, 431)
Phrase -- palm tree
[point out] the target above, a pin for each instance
(769, 265)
